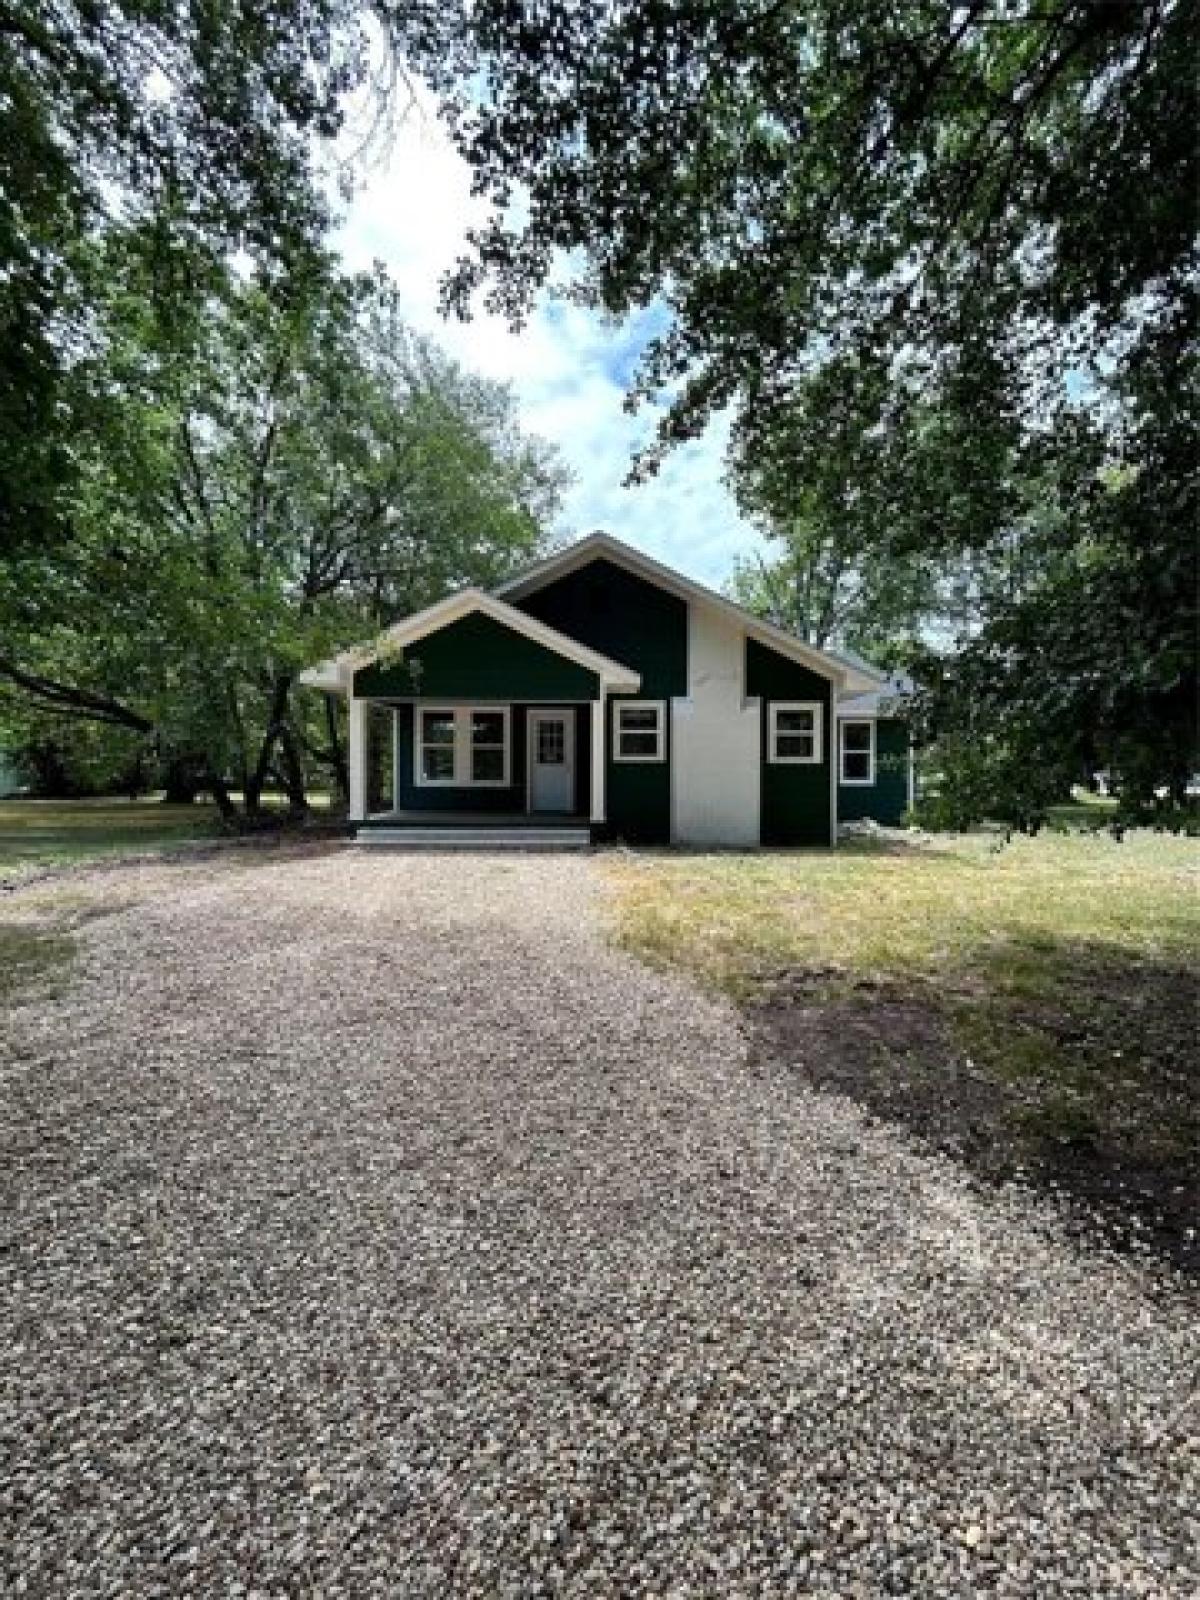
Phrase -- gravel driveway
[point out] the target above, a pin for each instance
(373, 1229)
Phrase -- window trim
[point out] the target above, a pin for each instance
(462, 747)
(817, 708)
(659, 707)
(856, 783)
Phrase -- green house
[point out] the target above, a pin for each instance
(603, 696)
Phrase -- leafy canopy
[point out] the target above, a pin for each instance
(198, 124)
(305, 472)
(943, 261)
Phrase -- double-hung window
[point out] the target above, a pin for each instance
(489, 746)
(857, 744)
(794, 729)
(462, 747)
(639, 730)
(436, 740)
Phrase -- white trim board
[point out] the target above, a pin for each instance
(336, 676)
(849, 679)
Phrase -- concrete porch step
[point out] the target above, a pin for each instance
(432, 838)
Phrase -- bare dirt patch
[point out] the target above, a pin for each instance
(1094, 1092)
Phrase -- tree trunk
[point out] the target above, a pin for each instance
(181, 781)
(224, 800)
(276, 722)
(292, 772)
(341, 766)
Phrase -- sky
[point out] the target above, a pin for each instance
(568, 367)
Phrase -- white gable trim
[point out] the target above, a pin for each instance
(336, 676)
(847, 677)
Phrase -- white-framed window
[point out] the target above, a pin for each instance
(462, 747)
(639, 730)
(436, 745)
(856, 743)
(794, 731)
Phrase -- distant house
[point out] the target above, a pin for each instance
(603, 696)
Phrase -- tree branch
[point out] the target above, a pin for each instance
(85, 703)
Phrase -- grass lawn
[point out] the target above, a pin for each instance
(1031, 1007)
(46, 832)
(50, 832)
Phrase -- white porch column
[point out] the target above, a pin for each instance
(358, 758)
(395, 758)
(599, 712)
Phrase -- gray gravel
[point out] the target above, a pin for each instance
(372, 1228)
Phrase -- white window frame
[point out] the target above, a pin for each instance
(659, 707)
(463, 747)
(817, 758)
(856, 783)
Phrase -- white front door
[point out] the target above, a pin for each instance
(552, 761)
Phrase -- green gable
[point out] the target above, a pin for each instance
(625, 617)
(477, 658)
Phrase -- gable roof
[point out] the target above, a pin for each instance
(853, 659)
(885, 700)
(849, 678)
(336, 676)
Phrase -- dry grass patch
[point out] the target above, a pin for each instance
(910, 908)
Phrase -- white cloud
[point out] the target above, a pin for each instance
(567, 366)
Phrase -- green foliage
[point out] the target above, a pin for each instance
(944, 260)
(195, 123)
(286, 480)
(819, 485)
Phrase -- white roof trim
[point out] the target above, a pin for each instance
(849, 679)
(337, 676)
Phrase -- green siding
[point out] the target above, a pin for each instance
(644, 627)
(886, 800)
(795, 799)
(624, 617)
(477, 658)
(512, 798)
(639, 792)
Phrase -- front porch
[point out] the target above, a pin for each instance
(485, 765)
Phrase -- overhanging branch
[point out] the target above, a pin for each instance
(70, 698)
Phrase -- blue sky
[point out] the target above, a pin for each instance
(568, 367)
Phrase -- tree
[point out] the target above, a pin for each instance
(1083, 656)
(981, 220)
(306, 472)
(202, 116)
(822, 491)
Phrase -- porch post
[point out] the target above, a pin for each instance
(599, 711)
(395, 758)
(358, 758)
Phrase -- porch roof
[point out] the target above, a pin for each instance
(336, 676)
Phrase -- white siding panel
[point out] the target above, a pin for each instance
(715, 754)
